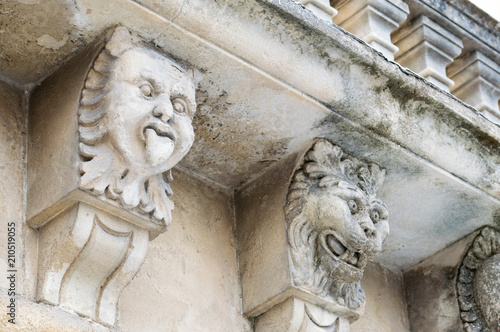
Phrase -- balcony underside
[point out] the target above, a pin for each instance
(273, 77)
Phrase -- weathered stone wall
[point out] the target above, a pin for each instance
(11, 167)
(12, 175)
(189, 280)
(385, 309)
(431, 290)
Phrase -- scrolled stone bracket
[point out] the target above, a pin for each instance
(88, 257)
(98, 189)
(297, 315)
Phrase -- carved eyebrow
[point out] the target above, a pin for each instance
(156, 85)
(377, 204)
(349, 193)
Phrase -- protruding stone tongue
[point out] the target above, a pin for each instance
(158, 148)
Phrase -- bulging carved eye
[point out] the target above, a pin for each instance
(147, 90)
(375, 216)
(353, 206)
(179, 106)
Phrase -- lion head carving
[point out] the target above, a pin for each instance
(336, 222)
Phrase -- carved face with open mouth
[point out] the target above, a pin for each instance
(336, 222)
(351, 228)
(150, 112)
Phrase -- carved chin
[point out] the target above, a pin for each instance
(341, 259)
(158, 148)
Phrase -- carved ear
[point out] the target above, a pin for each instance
(121, 40)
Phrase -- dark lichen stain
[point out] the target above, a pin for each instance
(329, 120)
(426, 288)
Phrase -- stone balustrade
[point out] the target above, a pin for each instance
(320, 8)
(477, 82)
(455, 47)
(427, 48)
(372, 20)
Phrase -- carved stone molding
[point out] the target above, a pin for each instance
(478, 283)
(301, 269)
(88, 256)
(296, 315)
(99, 188)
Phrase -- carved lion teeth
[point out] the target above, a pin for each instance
(344, 257)
(354, 258)
(363, 259)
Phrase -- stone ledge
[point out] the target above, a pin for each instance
(41, 317)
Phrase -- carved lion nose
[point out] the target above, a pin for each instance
(368, 228)
(163, 111)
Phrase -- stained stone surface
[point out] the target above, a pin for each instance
(431, 292)
(10, 167)
(385, 309)
(487, 291)
(189, 280)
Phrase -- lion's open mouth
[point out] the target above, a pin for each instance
(342, 253)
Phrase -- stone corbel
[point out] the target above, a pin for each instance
(301, 268)
(105, 131)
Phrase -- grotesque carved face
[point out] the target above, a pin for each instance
(351, 228)
(150, 111)
(135, 124)
(336, 222)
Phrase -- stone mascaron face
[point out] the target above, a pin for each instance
(336, 222)
(135, 124)
(150, 111)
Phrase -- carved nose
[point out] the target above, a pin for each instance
(163, 111)
(368, 228)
